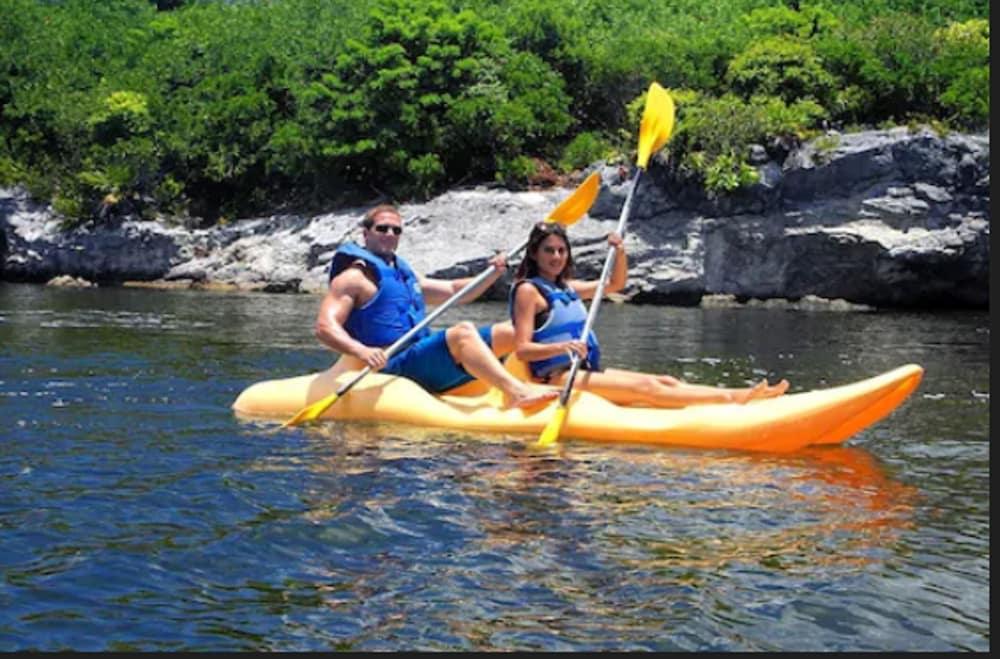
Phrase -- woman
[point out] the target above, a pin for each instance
(547, 309)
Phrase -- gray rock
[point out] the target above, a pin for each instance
(70, 282)
(931, 193)
(758, 155)
(906, 206)
(881, 218)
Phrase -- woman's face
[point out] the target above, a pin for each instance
(551, 257)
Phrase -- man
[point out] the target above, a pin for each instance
(374, 297)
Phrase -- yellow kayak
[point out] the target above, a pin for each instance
(783, 424)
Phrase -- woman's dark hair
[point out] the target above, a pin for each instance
(529, 266)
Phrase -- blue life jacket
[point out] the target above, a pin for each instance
(567, 316)
(396, 307)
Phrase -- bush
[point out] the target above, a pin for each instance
(963, 65)
(425, 171)
(797, 120)
(11, 172)
(884, 68)
(237, 107)
(968, 96)
(584, 149)
(727, 173)
(805, 23)
(422, 79)
(71, 210)
(825, 144)
(515, 172)
(717, 126)
(122, 115)
(169, 195)
(713, 135)
(780, 66)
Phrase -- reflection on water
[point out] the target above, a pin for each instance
(137, 513)
(594, 538)
(820, 506)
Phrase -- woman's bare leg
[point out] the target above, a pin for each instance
(770, 390)
(626, 387)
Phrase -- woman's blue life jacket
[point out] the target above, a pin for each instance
(396, 307)
(566, 317)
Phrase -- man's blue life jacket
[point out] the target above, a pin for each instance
(396, 307)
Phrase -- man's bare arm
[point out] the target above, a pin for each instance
(348, 289)
(437, 291)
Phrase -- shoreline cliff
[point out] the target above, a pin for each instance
(892, 218)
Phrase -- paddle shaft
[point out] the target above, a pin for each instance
(430, 318)
(595, 304)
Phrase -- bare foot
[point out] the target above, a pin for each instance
(530, 397)
(775, 390)
(742, 396)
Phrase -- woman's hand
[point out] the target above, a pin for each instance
(575, 346)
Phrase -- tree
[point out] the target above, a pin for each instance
(427, 95)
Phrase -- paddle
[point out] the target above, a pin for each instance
(566, 213)
(654, 131)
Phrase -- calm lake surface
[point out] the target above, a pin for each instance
(136, 512)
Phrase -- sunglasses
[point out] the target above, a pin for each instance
(386, 228)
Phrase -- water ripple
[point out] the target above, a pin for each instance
(137, 514)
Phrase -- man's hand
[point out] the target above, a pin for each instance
(499, 261)
(373, 357)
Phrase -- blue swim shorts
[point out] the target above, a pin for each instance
(428, 362)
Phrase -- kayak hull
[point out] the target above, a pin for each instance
(783, 424)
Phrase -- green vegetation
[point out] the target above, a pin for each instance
(217, 108)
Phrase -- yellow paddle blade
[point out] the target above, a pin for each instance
(578, 203)
(657, 123)
(551, 432)
(311, 412)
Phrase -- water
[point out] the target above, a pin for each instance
(137, 513)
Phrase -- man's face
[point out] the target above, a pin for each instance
(383, 236)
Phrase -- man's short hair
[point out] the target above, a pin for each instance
(369, 218)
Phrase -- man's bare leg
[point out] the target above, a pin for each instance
(502, 337)
(469, 350)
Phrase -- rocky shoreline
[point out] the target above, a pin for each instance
(894, 218)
